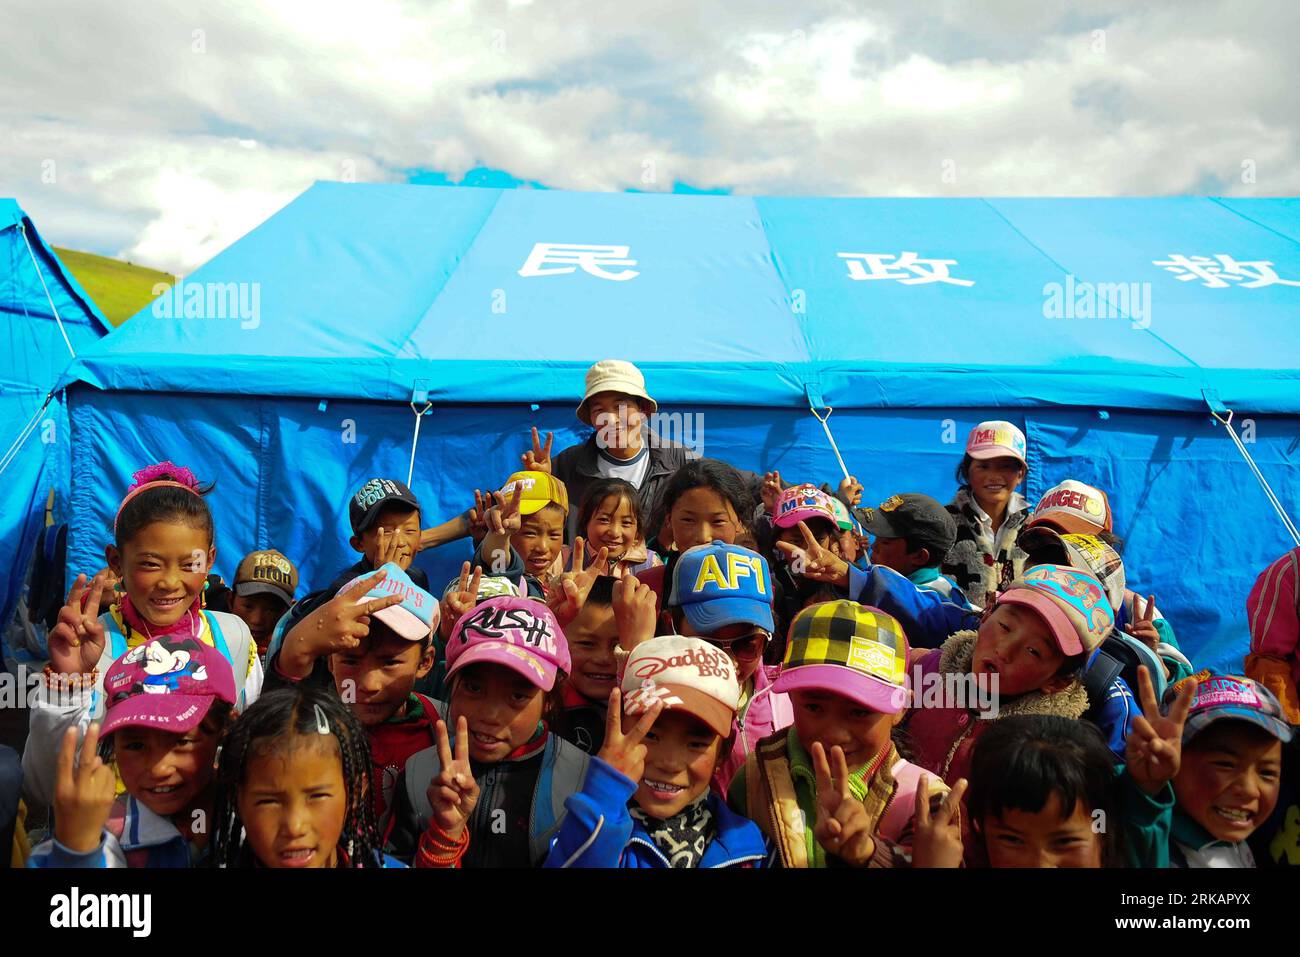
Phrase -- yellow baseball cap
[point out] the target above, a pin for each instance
(539, 490)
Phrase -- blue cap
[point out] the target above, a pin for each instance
(1219, 696)
(717, 585)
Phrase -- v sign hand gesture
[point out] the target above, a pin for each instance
(634, 611)
(570, 590)
(336, 626)
(1143, 626)
(936, 840)
(625, 753)
(83, 797)
(843, 826)
(77, 641)
(453, 792)
(814, 562)
(1154, 749)
(539, 459)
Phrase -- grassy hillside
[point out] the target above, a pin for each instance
(119, 289)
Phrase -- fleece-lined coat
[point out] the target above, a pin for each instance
(944, 738)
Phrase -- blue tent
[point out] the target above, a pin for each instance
(289, 367)
(45, 319)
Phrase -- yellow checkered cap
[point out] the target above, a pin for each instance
(852, 637)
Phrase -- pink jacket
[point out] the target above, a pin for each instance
(1273, 614)
(768, 713)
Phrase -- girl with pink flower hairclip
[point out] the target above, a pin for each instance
(162, 551)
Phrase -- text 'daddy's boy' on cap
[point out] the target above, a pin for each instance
(686, 674)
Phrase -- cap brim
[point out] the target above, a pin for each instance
(1058, 622)
(867, 691)
(997, 453)
(880, 525)
(793, 517)
(708, 616)
(244, 589)
(708, 709)
(518, 659)
(1274, 726)
(405, 624)
(1066, 525)
(174, 713)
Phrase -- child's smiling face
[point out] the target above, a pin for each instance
(993, 481)
(1043, 838)
(376, 677)
(837, 721)
(593, 636)
(293, 803)
(613, 526)
(1229, 778)
(1016, 645)
(500, 706)
(681, 754)
(163, 568)
(540, 539)
(167, 772)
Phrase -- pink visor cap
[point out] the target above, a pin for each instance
(415, 617)
(519, 633)
(168, 683)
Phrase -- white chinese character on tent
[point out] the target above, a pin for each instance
(1220, 271)
(906, 268)
(567, 256)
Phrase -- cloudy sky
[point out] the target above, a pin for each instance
(160, 132)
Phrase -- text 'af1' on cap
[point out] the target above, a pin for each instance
(717, 585)
(686, 674)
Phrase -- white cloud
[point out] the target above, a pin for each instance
(175, 129)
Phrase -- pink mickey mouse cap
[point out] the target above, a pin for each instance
(168, 683)
(519, 633)
(799, 503)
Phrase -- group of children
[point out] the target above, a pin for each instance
(772, 675)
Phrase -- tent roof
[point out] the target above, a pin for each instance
(389, 291)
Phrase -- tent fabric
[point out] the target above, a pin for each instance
(382, 291)
(31, 362)
(741, 312)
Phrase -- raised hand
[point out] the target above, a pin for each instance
(336, 626)
(461, 601)
(625, 753)
(936, 840)
(1154, 749)
(1143, 627)
(569, 591)
(391, 549)
(539, 458)
(771, 491)
(814, 562)
(477, 516)
(851, 490)
(83, 795)
(76, 643)
(634, 611)
(504, 518)
(453, 792)
(843, 826)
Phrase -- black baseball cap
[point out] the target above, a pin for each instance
(373, 497)
(917, 517)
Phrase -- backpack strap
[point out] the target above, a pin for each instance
(564, 768)
(419, 771)
(1101, 674)
(784, 813)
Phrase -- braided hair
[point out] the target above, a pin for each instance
(276, 723)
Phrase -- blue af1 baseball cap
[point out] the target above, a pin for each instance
(717, 585)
